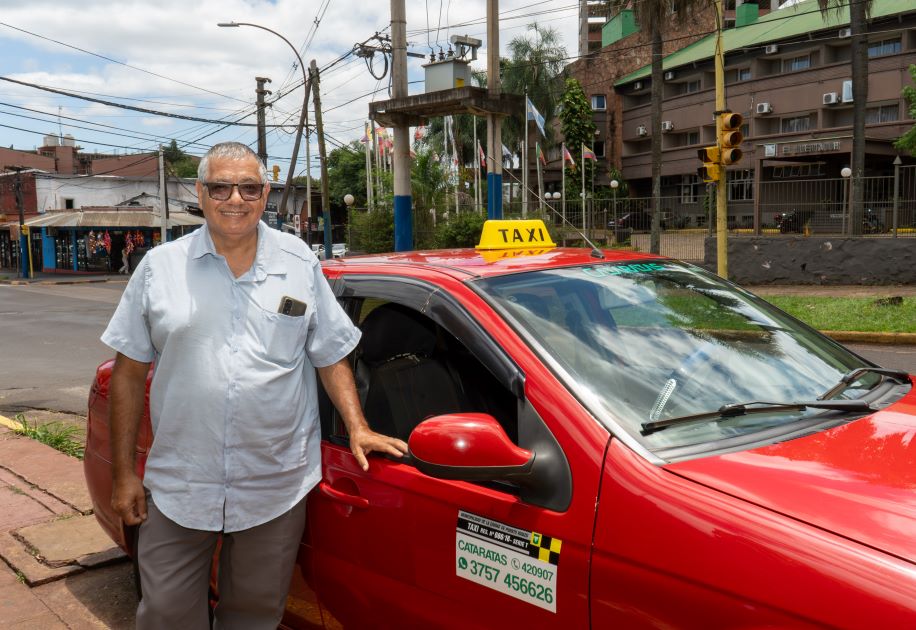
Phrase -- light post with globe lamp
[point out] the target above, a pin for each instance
(847, 214)
(349, 200)
(614, 185)
(303, 116)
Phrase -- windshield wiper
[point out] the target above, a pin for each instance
(740, 409)
(853, 375)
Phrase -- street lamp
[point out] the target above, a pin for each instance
(614, 185)
(302, 118)
(349, 200)
(846, 172)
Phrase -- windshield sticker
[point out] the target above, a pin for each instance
(617, 270)
(513, 561)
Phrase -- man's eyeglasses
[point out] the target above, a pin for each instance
(221, 191)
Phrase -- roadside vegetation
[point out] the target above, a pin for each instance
(65, 438)
(859, 314)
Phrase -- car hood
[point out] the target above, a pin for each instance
(857, 480)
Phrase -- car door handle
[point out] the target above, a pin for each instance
(343, 497)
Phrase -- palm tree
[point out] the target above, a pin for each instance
(654, 16)
(859, 13)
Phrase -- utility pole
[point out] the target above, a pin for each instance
(262, 131)
(322, 154)
(163, 201)
(494, 123)
(403, 211)
(23, 230)
(721, 191)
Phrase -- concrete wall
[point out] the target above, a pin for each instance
(818, 260)
(53, 190)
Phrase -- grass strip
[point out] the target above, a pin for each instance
(57, 435)
(855, 314)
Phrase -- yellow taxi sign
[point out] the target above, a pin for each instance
(515, 234)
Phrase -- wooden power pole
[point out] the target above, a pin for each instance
(322, 156)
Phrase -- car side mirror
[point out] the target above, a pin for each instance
(469, 447)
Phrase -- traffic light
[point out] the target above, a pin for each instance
(730, 138)
(710, 170)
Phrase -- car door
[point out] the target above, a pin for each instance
(393, 547)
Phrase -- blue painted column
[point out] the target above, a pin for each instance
(48, 250)
(403, 223)
(494, 195)
(74, 251)
(24, 255)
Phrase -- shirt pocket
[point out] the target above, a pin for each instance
(282, 337)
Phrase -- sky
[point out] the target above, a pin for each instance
(170, 56)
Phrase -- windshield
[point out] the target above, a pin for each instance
(647, 341)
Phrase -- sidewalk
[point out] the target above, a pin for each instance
(11, 277)
(48, 536)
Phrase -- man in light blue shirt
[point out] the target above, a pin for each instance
(236, 318)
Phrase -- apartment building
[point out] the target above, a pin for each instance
(788, 74)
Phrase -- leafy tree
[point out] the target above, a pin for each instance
(427, 181)
(859, 13)
(655, 16)
(461, 231)
(180, 164)
(372, 232)
(578, 128)
(907, 142)
(347, 175)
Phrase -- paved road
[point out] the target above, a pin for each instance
(49, 344)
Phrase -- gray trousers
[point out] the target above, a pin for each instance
(255, 567)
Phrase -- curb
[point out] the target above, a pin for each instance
(30, 282)
(10, 424)
(887, 338)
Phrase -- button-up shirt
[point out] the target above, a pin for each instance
(233, 400)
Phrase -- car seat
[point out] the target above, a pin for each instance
(401, 383)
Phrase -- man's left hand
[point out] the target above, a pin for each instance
(364, 441)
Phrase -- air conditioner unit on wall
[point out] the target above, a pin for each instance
(667, 126)
(845, 32)
(669, 75)
(764, 108)
(830, 98)
(771, 49)
(642, 131)
(637, 86)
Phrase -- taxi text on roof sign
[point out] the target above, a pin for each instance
(516, 234)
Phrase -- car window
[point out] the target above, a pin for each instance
(647, 341)
(409, 368)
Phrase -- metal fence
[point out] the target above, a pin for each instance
(783, 207)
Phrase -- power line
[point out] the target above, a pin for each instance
(127, 65)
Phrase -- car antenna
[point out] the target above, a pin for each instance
(595, 253)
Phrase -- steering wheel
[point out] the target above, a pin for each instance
(681, 374)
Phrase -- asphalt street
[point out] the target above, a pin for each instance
(50, 348)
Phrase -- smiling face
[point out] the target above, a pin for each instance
(235, 220)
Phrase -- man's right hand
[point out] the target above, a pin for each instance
(128, 498)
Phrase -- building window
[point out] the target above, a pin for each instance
(813, 169)
(691, 137)
(744, 74)
(692, 86)
(690, 188)
(740, 184)
(881, 114)
(802, 62)
(885, 47)
(68, 204)
(599, 148)
(746, 130)
(599, 103)
(798, 123)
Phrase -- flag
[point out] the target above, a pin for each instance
(541, 154)
(365, 139)
(483, 156)
(419, 133)
(568, 157)
(588, 154)
(535, 115)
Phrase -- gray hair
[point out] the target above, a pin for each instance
(230, 151)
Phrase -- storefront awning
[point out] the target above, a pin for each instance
(95, 219)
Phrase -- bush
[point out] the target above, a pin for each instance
(372, 232)
(461, 231)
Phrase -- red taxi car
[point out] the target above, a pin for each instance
(598, 439)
